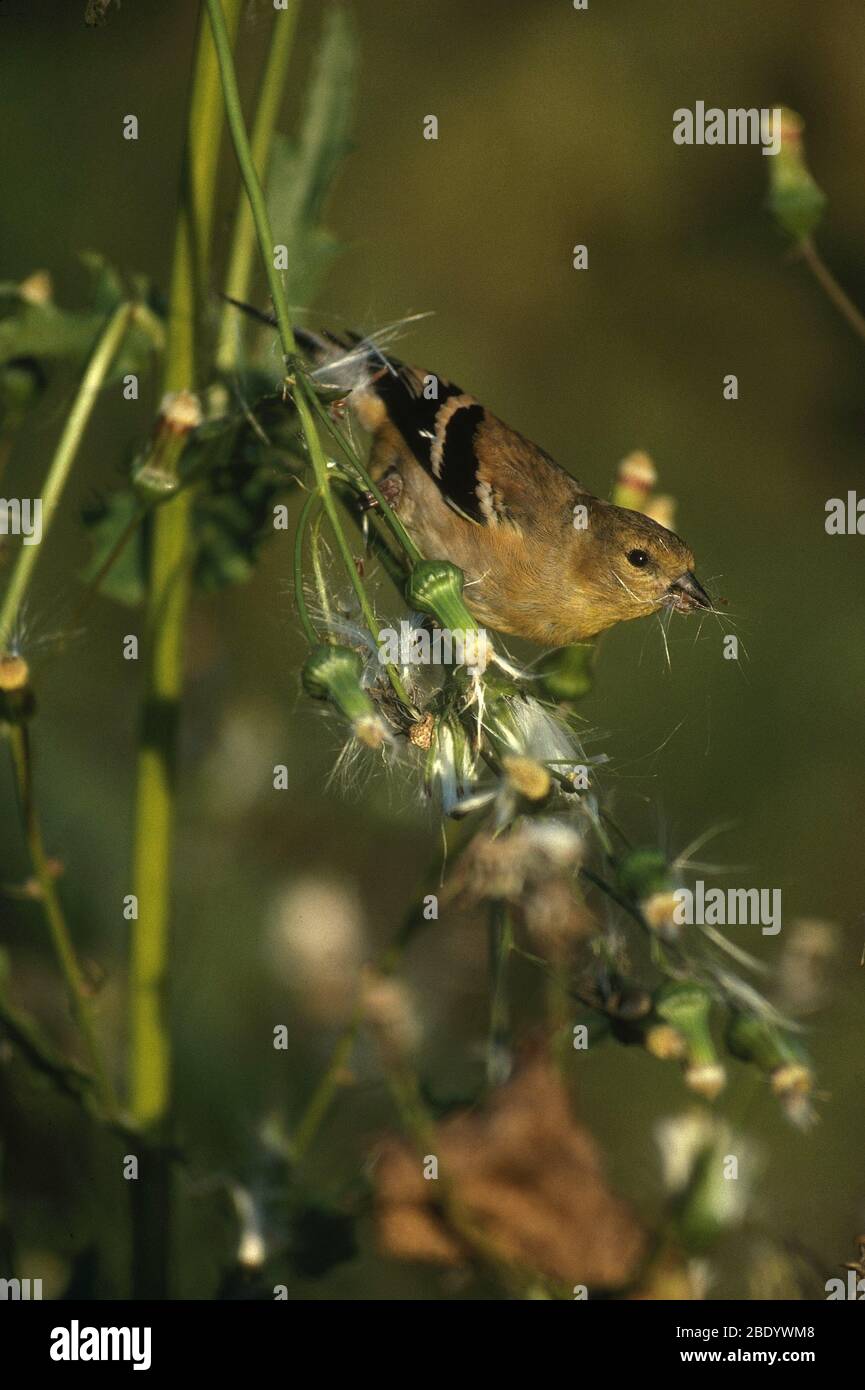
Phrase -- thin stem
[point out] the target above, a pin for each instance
(616, 896)
(833, 291)
(82, 1005)
(315, 548)
(243, 238)
(302, 391)
(323, 1095)
(64, 456)
(355, 460)
(311, 502)
(111, 559)
(249, 175)
(387, 964)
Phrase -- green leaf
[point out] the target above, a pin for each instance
(236, 475)
(302, 171)
(45, 334)
(108, 520)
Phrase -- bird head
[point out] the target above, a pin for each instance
(628, 566)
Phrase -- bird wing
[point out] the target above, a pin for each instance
(487, 472)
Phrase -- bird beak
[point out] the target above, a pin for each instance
(687, 593)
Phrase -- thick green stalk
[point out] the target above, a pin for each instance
(243, 237)
(150, 1049)
(64, 456)
(150, 1062)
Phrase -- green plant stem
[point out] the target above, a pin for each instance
(92, 381)
(302, 392)
(324, 1093)
(387, 964)
(69, 1079)
(831, 288)
(168, 592)
(305, 517)
(357, 463)
(243, 238)
(150, 1061)
(81, 1003)
(315, 550)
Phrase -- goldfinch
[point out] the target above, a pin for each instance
(543, 558)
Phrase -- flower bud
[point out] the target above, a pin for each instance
(14, 673)
(663, 510)
(528, 778)
(636, 476)
(37, 288)
(334, 673)
(664, 1042)
(644, 875)
(687, 1007)
(156, 475)
(760, 1041)
(780, 1057)
(17, 702)
(795, 199)
(658, 910)
(643, 872)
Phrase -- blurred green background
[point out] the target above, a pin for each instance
(555, 127)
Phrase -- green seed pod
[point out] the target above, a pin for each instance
(642, 873)
(759, 1041)
(687, 1007)
(436, 587)
(795, 199)
(568, 672)
(334, 673)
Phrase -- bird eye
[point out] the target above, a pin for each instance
(638, 558)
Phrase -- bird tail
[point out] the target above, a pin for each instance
(345, 360)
